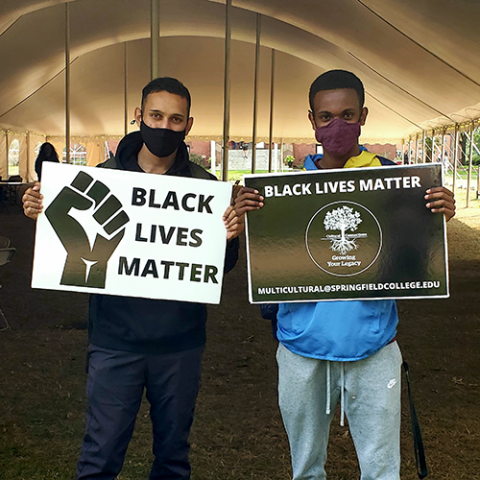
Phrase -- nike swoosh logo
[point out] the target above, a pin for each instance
(392, 383)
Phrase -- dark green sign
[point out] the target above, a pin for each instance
(346, 234)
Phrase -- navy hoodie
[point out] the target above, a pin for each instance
(143, 325)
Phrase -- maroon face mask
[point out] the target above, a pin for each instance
(338, 137)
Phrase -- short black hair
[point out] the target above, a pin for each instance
(334, 79)
(170, 85)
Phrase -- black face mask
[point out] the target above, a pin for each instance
(162, 142)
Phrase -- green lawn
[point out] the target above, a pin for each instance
(234, 175)
(464, 174)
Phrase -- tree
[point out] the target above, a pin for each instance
(343, 219)
(476, 141)
(433, 149)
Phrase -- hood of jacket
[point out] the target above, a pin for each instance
(130, 146)
(310, 160)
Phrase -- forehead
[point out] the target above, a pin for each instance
(339, 100)
(166, 102)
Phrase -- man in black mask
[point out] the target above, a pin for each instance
(137, 343)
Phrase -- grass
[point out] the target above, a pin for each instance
(464, 174)
(237, 433)
(461, 199)
(234, 175)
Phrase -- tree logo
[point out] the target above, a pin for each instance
(343, 219)
(87, 256)
(356, 245)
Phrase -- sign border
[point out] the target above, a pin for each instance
(337, 170)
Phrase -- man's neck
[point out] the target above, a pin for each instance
(149, 163)
(338, 161)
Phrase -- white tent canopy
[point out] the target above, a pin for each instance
(418, 61)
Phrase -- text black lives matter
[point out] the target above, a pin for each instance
(180, 236)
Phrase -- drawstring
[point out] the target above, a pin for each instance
(342, 396)
(342, 392)
(328, 389)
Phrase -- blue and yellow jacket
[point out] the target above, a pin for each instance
(340, 330)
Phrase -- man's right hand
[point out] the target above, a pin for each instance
(32, 201)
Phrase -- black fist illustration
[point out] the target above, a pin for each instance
(86, 265)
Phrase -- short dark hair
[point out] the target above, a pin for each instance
(170, 85)
(334, 79)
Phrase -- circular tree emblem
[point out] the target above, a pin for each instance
(343, 238)
(343, 219)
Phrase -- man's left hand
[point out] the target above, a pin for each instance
(234, 223)
(441, 200)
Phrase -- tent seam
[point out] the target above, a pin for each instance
(37, 90)
(11, 25)
(401, 88)
(419, 44)
(394, 111)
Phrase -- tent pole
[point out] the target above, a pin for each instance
(281, 153)
(7, 153)
(270, 134)
(27, 170)
(444, 131)
(226, 92)
(433, 146)
(455, 156)
(478, 169)
(416, 148)
(154, 36)
(125, 89)
(470, 158)
(424, 146)
(67, 82)
(275, 156)
(255, 92)
(213, 157)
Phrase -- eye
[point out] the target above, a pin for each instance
(324, 117)
(348, 116)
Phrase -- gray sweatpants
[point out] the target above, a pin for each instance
(371, 396)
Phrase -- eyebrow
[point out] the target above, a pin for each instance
(329, 113)
(154, 110)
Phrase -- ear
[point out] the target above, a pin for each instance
(363, 116)
(189, 125)
(138, 116)
(312, 119)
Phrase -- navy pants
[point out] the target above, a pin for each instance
(115, 385)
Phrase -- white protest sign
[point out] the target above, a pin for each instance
(131, 234)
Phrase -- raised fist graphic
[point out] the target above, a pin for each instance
(86, 264)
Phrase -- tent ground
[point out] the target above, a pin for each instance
(238, 432)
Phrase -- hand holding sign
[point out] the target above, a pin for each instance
(353, 234)
(131, 234)
(86, 264)
(441, 200)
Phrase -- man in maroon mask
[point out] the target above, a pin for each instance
(344, 349)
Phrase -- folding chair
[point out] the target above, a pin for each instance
(11, 191)
(6, 254)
